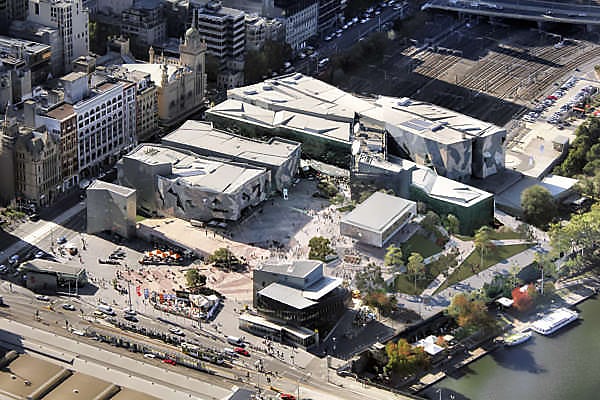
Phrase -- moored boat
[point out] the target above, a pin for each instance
(554, 321)
(517, 338)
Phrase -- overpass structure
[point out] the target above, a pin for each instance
(532, 10)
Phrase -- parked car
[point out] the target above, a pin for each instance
(42, 297)
(242, 351)
(169, 361)
(176, 331)
(130, 318)
(3, 269)
(149, 355)
(69, 307)
(61, 240)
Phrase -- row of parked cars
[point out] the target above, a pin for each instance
(364, 17)
(550, 100)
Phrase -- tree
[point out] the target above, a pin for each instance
(393, 256)
(223, 257)
(381, 301)
(469, 314)
(195, 278)
(415, 266)
(522, 299)
(538, 205)
(452, 224)
(404, 359)
(320, 248)
(482, 241)
(430, 222)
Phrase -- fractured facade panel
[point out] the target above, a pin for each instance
(182, 184)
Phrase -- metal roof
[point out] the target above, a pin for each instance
(378, 212)
(287, 295)
(200, 136)
(297, 269)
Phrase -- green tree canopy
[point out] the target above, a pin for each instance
(482, 241)
(320, 248)
(452, 224)
(393, 256)
(195, 278)
(415, 266)
(404, 359)
(431, 221)
(538, 205)
(223, 257)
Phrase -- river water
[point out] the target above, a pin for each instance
(564, 366)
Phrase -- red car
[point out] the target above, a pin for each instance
(242, 351)
(169, 361)
(286, 396)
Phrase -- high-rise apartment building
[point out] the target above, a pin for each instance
(11, 10)
(71, 19)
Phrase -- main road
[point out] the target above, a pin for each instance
(533, 10)
(37, 324)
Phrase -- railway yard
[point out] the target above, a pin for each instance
(490, 71)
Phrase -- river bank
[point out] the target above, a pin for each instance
(560, 366)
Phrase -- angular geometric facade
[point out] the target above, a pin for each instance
(111, 208)
(179, 183)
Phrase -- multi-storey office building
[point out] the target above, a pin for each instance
(222, 28)
(42, 34)
(36, 56)
(300, 18)
(61, 121)
(145, 25)
(71, 20)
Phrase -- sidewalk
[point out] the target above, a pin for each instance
(35, 237)
(464, 250)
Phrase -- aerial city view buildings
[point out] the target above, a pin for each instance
(299, 199)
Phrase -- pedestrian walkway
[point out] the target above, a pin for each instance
(464, 250)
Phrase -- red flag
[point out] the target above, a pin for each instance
(138, 290)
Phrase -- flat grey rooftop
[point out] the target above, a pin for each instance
(297, 269)
(378, 212)
(46, 266)
(202, 136)
(194, 170)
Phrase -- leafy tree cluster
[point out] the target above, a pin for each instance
(381, 301)
(194, 278)
(580, 238)
(320, 248)
(404, 359)
(369, 279)
(452, 224)
(393, 256)
(369, 51)
(584, 153)
(539, 207)
(223, 257)
(470, 314)
(262, 63)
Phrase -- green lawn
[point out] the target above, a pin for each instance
(406, 284)
(420, 244)
(139, 218)
(469, 267)
(495, 235)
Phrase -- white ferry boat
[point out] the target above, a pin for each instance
(554, 321)
(517, 338)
